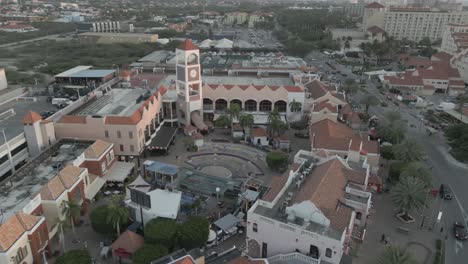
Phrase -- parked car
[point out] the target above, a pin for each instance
(301, 135)
(460, 232)
(445, 192)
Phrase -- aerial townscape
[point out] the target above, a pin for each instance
(233, 131)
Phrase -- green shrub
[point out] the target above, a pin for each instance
(98, 218)
(74, 257)
(161, 231)
(148, 253)
(277, 160)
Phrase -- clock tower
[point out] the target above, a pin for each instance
(189, 85)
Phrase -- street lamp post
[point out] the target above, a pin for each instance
(217, 199)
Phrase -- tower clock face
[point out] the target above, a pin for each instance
(193, 74)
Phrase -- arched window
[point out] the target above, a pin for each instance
(265, 106)
(221, 105)
(207, 104)
(358, 215)
(250, 106)
(281, 106)
(237, 102)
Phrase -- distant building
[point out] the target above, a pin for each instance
(455, 43)
(109, 38)
(3, 79)
(412, 23)
(19, 28)
(354, 9)
(235, 18)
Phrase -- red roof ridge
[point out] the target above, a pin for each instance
(187, 45)
(31, 117)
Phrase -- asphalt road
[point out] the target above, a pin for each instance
(445, 168)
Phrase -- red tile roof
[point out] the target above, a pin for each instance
(184, 260)
(289, 88)
(375, 30)
(187, 45)
(443, 56)
(374, 5)
(246, 260)
(318, 89)
(73, 119)
(325, 104)
(325, 187)
(13, 228)
(276, 184)
(129, 241)
(31, 117)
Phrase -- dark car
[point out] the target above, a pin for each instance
(302, 135)
(445, 192)
(460, 231)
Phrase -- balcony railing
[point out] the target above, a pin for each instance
(293, 258)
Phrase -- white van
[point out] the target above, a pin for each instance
(61, 101)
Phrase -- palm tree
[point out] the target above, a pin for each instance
(276, 126)
(369, 101)
(117, 215)
(246, 121)
(408, 151)
(62, 225)
(396, 255)
(223, 121)
(71, 210)
(409, 194)
(295, 106)
(419, 171)
(234, 112)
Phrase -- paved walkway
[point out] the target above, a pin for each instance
(420, 241)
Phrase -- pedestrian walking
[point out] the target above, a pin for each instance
(382, 239)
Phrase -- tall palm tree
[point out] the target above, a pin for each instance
(71, 210)
(246, 122)
(409, 194)
(408, 151)
(276, 126)
(419, 171)
(396, 255)
(234, 112)
(369, 101)
(117, 215)
(62, 225)
(295, 106)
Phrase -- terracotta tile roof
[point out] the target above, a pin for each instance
(346, 109)
(325, 104)
(143, 79)
(318, 89)
(330, 135)
(374, 5)
(187, 45)
(457, 82)
(325, 187)
(31, 117)
(375, 30)
(74, 119)
(443, 56)
(129, 241)
(276, 184)
(258, 132)
(123, 120)
(371, 146)
(322, 153)
(96, 150)
(64, 180)
(418, 62)
(354, 118)
(13, 228)
(184, 260)
(246, 260)
(289, 88)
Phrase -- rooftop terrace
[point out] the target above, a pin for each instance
(17, 190)
(117, 102)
